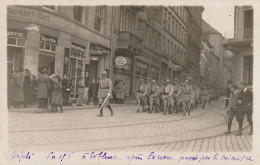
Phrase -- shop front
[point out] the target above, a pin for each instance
(15, 49)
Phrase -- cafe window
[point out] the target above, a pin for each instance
(78, 13)
(98, 18)
(48, 43)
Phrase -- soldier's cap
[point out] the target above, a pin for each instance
(161, 81)
(243, 83)
(167, 80)
(104, 73)
(175, 79)
(153, 81)
(186, 81)
(141, 79)
(234, 85)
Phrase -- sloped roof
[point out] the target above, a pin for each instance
(207, 29)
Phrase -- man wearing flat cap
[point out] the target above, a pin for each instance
(186, 97)
(105, 90)
(168, 100)
(245, 107)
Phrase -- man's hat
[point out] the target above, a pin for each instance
(186, 81)
(153, 81)
(167, 80)
(104, 72)
(234, 85)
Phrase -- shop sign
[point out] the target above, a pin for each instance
(27, 13)
(77, 47)
(49, 39)
(16, 33)
(121, 61)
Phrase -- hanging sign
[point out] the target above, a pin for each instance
(121, 61)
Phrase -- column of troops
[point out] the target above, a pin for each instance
(172, 98)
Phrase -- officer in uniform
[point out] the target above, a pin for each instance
(105, 89)
(140, 95)
(148, 88)
(186, 97)
(176, 94)
(161, 89)
(154, 97)
(168, 100)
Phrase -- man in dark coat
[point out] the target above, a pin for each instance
(27, 88)
(90, 91)
(245, 102)
(227, 93)
(95, 91)
(66, 89)
(231, 109)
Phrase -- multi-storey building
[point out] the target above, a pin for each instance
(242, 45)
(194, 30)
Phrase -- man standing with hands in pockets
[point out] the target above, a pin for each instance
(104, 92)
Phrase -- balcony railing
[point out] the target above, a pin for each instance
(128, 37)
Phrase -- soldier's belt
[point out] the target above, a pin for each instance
(104, 88)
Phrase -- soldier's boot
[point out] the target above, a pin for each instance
(229, 129)
(101, 111)
(239, 133)
(138, 110)
(184, 111)
(188, 112)
(111, 111)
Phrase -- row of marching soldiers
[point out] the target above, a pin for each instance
(169, 98)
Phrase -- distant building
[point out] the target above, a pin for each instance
(242, 45)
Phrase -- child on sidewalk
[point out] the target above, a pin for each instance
(56, 98)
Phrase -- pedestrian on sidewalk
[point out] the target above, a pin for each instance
(90, 91)
(186, 97)
(34, 90)
(17, 89)
(56, 98)
(43, 83)
(104, 92)
(227, 93)
(231, 109)
(27, 88)
(66, 89)
(245, 107)
(81, 87)
(95, 91)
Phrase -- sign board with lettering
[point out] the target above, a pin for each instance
(78, 47)
(121, 61)
(49, 39)
(16, 33)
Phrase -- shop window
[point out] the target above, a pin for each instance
(48, 43)
(98, 18)
(78, 13)
(16, 41)
(47, 47)
(11, 41)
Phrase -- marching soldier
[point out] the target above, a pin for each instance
(196, 93)
(148, 88)
(204, 96)
(154, 97)
(186, 97)
(161, 89)
(176, 94)
(105, 90)
(141, 97)
(168, 100)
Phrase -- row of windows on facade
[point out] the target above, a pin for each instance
(150, 35)
(78, 11)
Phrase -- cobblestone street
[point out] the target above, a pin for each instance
(81, 130)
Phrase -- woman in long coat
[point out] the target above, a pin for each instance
(43, 84)
(17, 89)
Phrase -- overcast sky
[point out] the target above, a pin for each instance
(220, 18)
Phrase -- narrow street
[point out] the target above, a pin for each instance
(80, 130)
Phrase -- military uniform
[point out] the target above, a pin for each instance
(154, 98)
(141, 97)
(186, 98)
(177, 96)
(203, 96)
(148, 88)
(105, 89)
(168, 100)
(161, 89)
